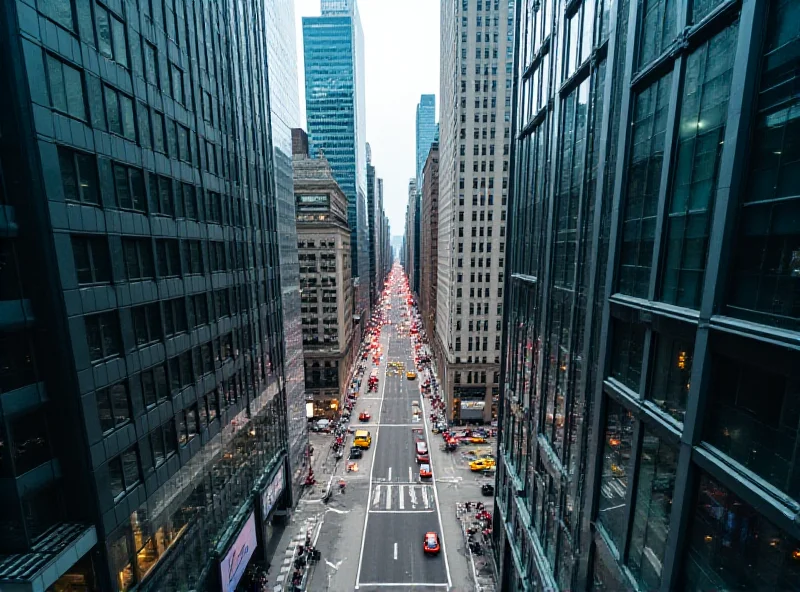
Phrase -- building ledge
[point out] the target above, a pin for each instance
(55, 553)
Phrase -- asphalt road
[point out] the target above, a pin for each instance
(401, 507)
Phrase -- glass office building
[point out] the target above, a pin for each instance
(142, 401)
(651, 398)
(284, 103)
(426, 130)
(333, 50)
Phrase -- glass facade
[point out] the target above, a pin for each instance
(649, 413)
(139, 216)
(426, 129)
(333, 52)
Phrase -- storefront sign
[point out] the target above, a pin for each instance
(473, 404)
(309, 410)
(235, 562)
(271, 493)
(312, 203)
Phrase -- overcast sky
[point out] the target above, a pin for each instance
(401, 43)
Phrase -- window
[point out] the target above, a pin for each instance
(154, 385)
(614, 479)
(30, 442)
(78, 176)
(102, 336)
(59, 11)
(161, 195)
(672, 371)
(66, 88)
(176, 77)
(143, 119)
(180, 371)
(138, 255)
(766, 251)
(163, 442)
(193, 257)
(703, 111)
(158, 132)
(175, 320)
(123, 472)
(212, 406)
(146, 324)
(198, 310)
(150, 63)
(129, 187)
(113, 407)
(658, 26)
(732, 546)
(627, 353)
(119, 113)
(657, 467)
(92, 263)
(183, 143)
(644, 175)
(169, 259)
(755, 411)
(111, 36)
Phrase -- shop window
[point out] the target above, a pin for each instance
(121, 560)
(66, 88)
(617, 444)
(627, 353)
(30, 441)
(79, 176)
(102, 336)
(648, 133)
(123, 472)
(731, 546)
(138, 255)
(672, 372)
(656, 481)
(92, 263)
(113, 407)
(766, 251)
(111, 38)
(701, 131)
(753, 417)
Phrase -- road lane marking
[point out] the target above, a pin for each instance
(436, 499)
(390, 474)
(389, 498)
(401, 512)
(406, 585)
(395, 551)
(402, 498)
(372, 469)
(410, 478)
(425, 497)
(412, 494)
(376, 500)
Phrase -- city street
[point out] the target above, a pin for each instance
(371, 536)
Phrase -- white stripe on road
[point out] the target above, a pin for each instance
(425, 497)
(410, 478)
(389, 498)
(395, 551)
(412, 494)
(390, 474)
(376, 500)
(402, 585)
(402, 498)
(402, 512)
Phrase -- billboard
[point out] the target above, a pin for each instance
(235, 562)
(271, 493)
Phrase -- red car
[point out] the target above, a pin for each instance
(431, 543)
(364, 416)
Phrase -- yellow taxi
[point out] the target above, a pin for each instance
(481, 464)
(362, 439)
(411, 375)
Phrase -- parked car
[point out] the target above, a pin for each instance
(356, 452)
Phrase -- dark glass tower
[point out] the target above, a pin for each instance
(142, 404)
(651, 400)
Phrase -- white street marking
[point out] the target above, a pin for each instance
(376, 500)
(395, 551)
(390, 474)
(402, 498)
(410, 478)
(389, 497)
(412, 493)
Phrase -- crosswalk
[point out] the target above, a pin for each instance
(405, 497)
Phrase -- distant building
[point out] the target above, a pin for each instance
(333, 49)
(323, 242)
(429, 238)
(412, 236)
(425, 131)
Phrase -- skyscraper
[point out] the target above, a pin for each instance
(429, 238)
(142, 407)
(426, 130)
(372, 227)
(474, 129)
(333, 49)
(285, 115)
(651, 338)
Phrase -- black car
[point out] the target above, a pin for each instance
(355, 452)
(487, 489)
